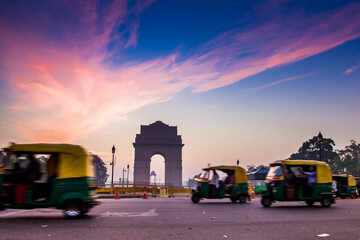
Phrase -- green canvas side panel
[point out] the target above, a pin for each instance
(204, 190)
(240, 189)
(64, 189)
(279, 191)
(318, 190)
(1, 190)
(351, 189)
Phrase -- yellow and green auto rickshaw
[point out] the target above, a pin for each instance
(233, 186)
(298, 180)
(345, 186)
(357, 181)
(47, 175)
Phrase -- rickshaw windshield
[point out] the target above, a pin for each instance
(275, 171)
(204, 175)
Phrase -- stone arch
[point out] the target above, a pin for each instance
(159, 158)
(158, 138)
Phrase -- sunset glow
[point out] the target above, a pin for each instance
(68, 70)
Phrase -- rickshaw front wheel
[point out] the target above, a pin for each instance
(73, 210)
(326, 202)
(266, 201)
(195, 198)
(310, 202)
(234, 199)
(353, 195)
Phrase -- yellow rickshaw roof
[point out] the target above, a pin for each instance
(48, 148)
(225, 167)
(301, 162)
(342, 175)
(240, 173)
(351, 178)
(72, 160)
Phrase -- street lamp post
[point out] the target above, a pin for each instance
(127, 177)
(123, 175)
(112, 165)
(320, 139)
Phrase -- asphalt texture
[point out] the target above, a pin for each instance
(179, 218)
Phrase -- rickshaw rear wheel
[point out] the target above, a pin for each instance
(310, 202)
(73, 210)
(266, 201)
(326, 202)
(242, 199)
(195, 198)
(234, 199)
(353, 195)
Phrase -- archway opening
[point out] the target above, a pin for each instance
(157, 169)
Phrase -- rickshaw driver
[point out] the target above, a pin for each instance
(334, 185)
(229, 182)
(215, 180)
(311, 180)
(214, 185)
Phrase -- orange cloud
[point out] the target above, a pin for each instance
(64, 91)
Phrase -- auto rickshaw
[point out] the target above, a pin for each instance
(298, 180)
(357, 181)
(235, 185)
(47, 175)
(345, 186)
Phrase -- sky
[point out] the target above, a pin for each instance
(241, 80)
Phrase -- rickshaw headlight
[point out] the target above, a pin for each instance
(274, 184)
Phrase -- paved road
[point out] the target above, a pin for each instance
(178, 218)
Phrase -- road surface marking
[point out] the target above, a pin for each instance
(11, 213)
(150, 213)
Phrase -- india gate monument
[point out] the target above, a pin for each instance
(158, 138)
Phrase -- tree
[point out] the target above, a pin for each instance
(100, 170)
(310, 151)
(252, 167)
(348, 160)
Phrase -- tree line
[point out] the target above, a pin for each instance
(343, 161)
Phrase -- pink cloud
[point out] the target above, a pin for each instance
(64, 91)
(280, 82)
(352, 69)
(274, 44)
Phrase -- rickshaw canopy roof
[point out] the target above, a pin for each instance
(48, 148)
(323, 171)
(240, 173)
(225, 167)
(72, 160)
(351, 179)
